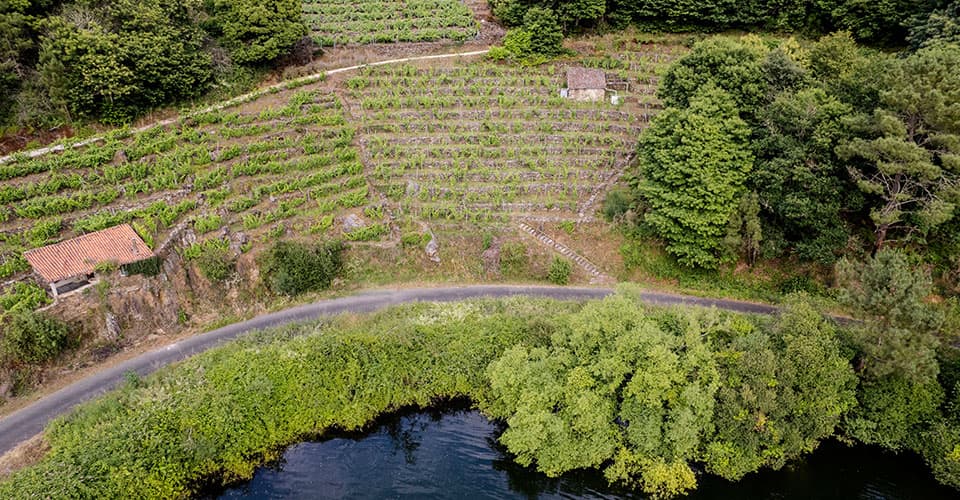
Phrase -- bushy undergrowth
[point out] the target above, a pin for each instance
(641, 392)
(213, 257)
(32, 337)
(560, 270)
(291, 268)
(221, 413)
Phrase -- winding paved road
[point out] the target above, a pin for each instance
(29, 421)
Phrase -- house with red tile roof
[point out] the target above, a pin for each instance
(70, 264)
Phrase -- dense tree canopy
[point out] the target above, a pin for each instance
(257, 31)
(940, 26)
(805, 189)
(884, 21)
(846, 141)
(114, 60)
(16, 44)
(911, 159)
(732, 65)
(898, 334)
(646, 395)
(692, 168)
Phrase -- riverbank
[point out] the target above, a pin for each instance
(213, 418)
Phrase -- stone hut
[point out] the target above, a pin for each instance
(70, 264)
(586, 84)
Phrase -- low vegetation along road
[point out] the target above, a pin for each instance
(30, 420)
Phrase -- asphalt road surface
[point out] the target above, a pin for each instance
(30, 420)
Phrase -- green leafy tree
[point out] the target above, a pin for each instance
(613, 385)
(939, 443)
(781, 392)
(734, 66)
(546, 35)
(804, 188)
(693, 164)
(892, 410)
(938, 27)
(258, 31)
(911, 166)
(848, 71)
(899, 393)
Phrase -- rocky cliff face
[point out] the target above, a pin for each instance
(123, 309)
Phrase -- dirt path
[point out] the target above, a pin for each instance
(304, 80)
(29, 421)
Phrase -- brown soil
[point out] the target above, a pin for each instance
(27, 137)
(25, 454)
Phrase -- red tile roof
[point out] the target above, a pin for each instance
(78, 256)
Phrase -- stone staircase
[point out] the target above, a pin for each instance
(598, 276)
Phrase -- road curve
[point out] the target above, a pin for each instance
(31, 420)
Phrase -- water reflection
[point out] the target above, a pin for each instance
(454, 454)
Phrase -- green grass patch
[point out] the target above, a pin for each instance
(646, 260)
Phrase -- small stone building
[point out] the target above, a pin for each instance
(70, 264)
(586, 84)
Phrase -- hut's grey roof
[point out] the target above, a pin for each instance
(584, 78)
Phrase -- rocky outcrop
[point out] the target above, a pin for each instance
(433, 249)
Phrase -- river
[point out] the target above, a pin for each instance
(453, 453)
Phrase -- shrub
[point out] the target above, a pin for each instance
(560, 270)
(216, 263)
(32, 337)
(616, 204)
(23, 297)
(513, 259)
(291, 268)
(146, 267)
(213, 257)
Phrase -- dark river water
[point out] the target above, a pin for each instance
(454, 454)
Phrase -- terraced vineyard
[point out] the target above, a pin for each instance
(290, 165)
(484, 142)
(338, 22)
(465, 141)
